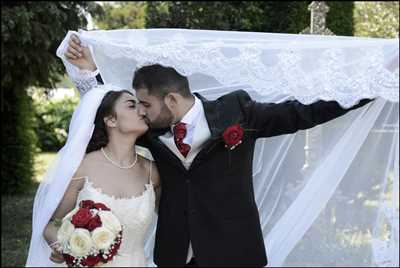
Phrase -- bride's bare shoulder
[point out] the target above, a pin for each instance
(89, 162)
(92, 157)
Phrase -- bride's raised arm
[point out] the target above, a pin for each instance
(79, 63)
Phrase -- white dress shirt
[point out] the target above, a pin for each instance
(198, 132)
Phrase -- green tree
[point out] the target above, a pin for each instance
(257, 16)
(340, 17)
(31, 33)
(127, 15)
(215, 15)
(52, 119)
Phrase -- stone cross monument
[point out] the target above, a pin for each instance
(318, 19)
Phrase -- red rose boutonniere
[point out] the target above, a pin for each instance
(233, 136)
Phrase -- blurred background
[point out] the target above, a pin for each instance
(37, 98)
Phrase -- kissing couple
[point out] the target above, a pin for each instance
(197, 181)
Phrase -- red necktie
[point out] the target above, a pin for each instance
(179, 134)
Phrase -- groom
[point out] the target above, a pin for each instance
(204, 152)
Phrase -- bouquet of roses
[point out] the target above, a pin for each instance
(89, 234)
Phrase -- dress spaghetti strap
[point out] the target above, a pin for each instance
(77, 178)
(151, 164)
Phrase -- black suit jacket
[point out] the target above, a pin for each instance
(212, 204)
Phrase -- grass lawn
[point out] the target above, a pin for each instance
(16, 212)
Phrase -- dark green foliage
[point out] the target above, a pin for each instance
(255, 16)
(53, 118)
(340, 17)
(18, 143)
(30, 35)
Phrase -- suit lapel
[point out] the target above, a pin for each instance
(170, 143)
(167, 151)
(201, 134)
(212, 114)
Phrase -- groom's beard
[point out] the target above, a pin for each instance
(164, 119)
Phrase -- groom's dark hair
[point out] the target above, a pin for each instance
(160, 80)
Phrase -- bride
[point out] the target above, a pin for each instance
(110, 172)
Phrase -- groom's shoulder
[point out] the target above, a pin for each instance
(236, 95)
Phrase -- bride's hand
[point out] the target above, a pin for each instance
(56, 256)
(79, 55)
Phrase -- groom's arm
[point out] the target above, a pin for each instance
(273, 119)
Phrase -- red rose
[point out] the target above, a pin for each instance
(86, 204)
(113, 251)
(100, 206)
(93, 223)
(69, 260)
(91, 260)
(233, 135)
(81, 218)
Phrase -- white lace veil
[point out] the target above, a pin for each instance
(328, 196)
(57, 178)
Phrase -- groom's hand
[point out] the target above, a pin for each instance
(79, 55)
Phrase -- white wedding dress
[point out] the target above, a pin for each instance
(135, 214)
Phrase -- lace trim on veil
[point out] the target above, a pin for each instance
(324, 74)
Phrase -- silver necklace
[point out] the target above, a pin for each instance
(115, 164)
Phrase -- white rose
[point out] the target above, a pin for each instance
(103, 238)
(80, 242)
(109, 221)
(70, 214)
(65, 231)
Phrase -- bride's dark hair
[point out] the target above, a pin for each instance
(107, 107)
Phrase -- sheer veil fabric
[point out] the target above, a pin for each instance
(327, 196)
